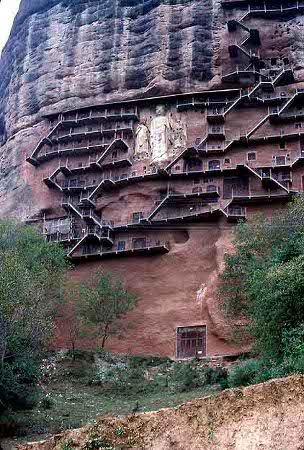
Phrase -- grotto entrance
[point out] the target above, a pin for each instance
(191, 342)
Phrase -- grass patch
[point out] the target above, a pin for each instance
(94, 385)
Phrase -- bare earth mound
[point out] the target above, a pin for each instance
(268, 416)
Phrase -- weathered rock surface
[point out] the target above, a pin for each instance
(66, 54)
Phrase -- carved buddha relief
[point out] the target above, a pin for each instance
(165, 138)
(142, 144)
(161, 131)
(179, 137)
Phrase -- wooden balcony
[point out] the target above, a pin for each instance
(192, 213)
(206, 99)
(216, 131)
(60, 237)
(74, 185)
(269, 179)
(113, 181)
(215, 115)
(287, 116)
(179, 200)
(260, 197)
(102, 234)
(119, 162)
(95, 112)
(102, 131)
(199, 192)
(60, 151)
(244, 76)
(92, 218)
(260, 8)
(124, 248)
(299, 160)
(235, 214)
(86, 213)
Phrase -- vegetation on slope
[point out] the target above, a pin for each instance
(75, 392)
(101, 301)
(31, 280)
(263, 285)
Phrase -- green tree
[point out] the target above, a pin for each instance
(101, 302)
(263, 281)
(31, 285)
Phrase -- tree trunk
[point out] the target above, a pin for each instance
(73, 351)
(105, 335)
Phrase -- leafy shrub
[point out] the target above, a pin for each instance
(245, 373)
(187, 376)
(82, 355)
(128, 381)
(46, 402)
(31, 278)
(219, 375)
(11, 425)
(97, 443)
(289, 366)
(293, 341)
(147, 361)
(264, 279)
(67, 445)
(79, 373)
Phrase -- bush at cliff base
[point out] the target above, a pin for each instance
(254, 371)
(31, 280)
(263, 284)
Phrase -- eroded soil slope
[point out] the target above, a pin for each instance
(268, 416)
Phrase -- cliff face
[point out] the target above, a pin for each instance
(171, 173)
(66, 54)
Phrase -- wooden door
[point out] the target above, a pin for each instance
(191, 342)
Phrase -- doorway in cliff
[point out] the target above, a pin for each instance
(191, 342)
(235, 186)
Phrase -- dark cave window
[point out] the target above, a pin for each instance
(211, 188)
(197, 190)
(251, 156)
(121, 245)
(280, 160)
(214, 165)
(137, 216)
(273, 61)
